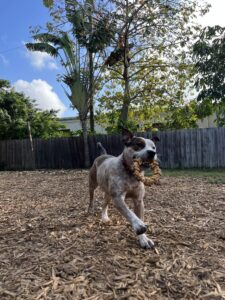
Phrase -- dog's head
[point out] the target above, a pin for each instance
(139, 147)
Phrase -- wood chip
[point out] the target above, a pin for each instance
(51, 249)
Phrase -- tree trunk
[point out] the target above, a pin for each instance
(86, 147)
(126, 100)
(91, 92)
(31, 144)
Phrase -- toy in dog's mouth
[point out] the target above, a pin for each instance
(145, 163)
(153, 164)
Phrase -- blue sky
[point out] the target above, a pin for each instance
(35, 73)
(31, 72)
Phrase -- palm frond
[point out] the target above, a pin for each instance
(48, 38)
(79, 95)
(43, 47)
(69, 49)
(75, 78)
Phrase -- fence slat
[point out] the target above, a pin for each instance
(195, 148)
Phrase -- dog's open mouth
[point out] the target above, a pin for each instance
(145, 163)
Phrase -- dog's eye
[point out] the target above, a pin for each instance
(140, 146)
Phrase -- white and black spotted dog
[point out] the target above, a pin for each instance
(114, 177)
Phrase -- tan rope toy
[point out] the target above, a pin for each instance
(154, 165)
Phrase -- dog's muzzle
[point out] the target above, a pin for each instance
(151, 154)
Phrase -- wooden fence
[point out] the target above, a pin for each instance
(195, 148)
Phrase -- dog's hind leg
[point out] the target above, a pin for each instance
(92, 186)
(105, 217)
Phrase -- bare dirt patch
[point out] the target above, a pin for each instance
(51, 249)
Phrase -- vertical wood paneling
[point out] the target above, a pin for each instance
(195, 148)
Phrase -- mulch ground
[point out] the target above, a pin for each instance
(51, 249)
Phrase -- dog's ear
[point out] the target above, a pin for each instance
(155, 139)
(127, 136)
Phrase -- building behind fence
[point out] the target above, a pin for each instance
(195, 148)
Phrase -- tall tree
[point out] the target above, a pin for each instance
(75, 77)
(159, 93)
(151, 40)
(92, 29)
(149, 35)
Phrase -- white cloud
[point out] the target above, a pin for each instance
(41, 60)
(216, 14)
(52, 65)
(42, 92)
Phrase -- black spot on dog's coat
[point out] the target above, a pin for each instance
(137, 144)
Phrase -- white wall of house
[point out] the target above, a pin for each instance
(208, 122)
(74, 124)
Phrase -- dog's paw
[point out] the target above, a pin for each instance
(105, 219)
(145, 242)
(139, 228)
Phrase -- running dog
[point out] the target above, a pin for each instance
(114, 176)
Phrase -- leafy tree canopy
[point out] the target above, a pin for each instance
(158, 117)
(147, 46)
(15, 112)
(209, 55)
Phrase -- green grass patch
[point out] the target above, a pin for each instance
(216, 176)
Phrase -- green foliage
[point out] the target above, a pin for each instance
(48, 3)
(182, 117)
(158, 102)
(42, 47)
(209, 53)
(92, 28)
(75, 77)
(155, 118)
(110, 121)
(4, 84)
(16, 110)
(153, 42)
(220, 115)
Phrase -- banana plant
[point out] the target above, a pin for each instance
(75, 76)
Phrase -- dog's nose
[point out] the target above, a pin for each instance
(151, 153)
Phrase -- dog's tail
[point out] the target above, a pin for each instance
(101, 149)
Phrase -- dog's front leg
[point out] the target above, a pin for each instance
(144, 241)
(136, 223)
